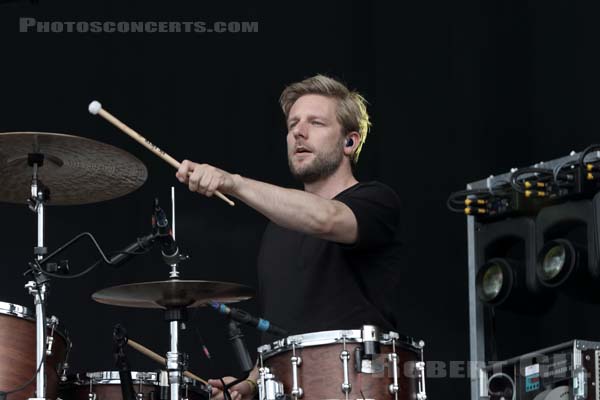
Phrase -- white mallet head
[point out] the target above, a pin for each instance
(94, 107)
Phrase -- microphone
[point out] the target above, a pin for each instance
(169, 247)
(239, 347)
(119, 341)
(141, 243)
(245, 318)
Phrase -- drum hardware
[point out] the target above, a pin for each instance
(53, 324)
(422, 394)
(393, 359)
(345, 356)
(268, 387)
(296, 361)
(39, 287)
(364, 355)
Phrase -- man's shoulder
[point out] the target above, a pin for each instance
(370, 189)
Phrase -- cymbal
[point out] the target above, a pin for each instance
(77, 170)
(172, 294)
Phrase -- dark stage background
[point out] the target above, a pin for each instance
(458, 90)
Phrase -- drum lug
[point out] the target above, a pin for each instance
(91, 396)
(422, 395)
(346, 385)
(394, 387)
(297, 391)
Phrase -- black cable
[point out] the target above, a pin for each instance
(585, 152)
(514, 183)
(456, 200)
(37, 265)
(226, 393)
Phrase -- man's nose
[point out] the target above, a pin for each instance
(300, 130)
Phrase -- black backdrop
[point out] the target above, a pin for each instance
(458, 90)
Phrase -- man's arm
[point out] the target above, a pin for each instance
(290, 208)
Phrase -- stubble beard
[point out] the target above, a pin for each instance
(322, 165)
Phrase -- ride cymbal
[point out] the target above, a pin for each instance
(76, 170)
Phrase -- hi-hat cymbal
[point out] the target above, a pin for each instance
(76, 170)
(173, 293)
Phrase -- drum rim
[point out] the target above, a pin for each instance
(111, 377)
(16, 310)
(311, 339)
(22, 312)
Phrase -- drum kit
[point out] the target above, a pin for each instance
(43, 169)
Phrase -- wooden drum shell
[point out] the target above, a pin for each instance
(321, 372)
(18, 357)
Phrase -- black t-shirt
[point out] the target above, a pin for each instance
(307, 284)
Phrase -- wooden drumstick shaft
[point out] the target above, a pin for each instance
(149, 145)
(161, 360)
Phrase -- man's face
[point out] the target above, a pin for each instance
(314, 140)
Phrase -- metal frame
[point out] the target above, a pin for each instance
(476, 315)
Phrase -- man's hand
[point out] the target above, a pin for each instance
(205, 179)
(242, 391)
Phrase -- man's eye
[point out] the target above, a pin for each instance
(317, 123)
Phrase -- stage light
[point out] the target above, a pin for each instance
(556, 262)
(506, 278)
(567, 259)
(495, 281)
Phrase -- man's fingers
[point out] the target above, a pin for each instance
(214, 185)
(184, 168)
(207, 178)
(215, 383)
(195, 179)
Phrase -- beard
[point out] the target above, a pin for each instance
(323, 165)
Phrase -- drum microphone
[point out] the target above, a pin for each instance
(239, 347)
(169, 248)
(247, 319)
(141, 243)
(119, 341)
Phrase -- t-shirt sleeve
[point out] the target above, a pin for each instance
(377, 211)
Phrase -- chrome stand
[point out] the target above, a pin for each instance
(176, 317)
(175, 359)
(39, 287)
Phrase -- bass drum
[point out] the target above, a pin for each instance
(106, 385)
(346, 364)
(18, 352)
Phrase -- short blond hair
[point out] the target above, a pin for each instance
(351, 107)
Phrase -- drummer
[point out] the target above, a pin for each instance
(329, 256)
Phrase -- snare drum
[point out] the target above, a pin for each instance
(347, 364)
(18, 352)
(106, 385)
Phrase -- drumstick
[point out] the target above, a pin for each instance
(161, 360)
(96, 108)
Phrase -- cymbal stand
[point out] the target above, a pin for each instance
(175, 316)
(175, 359)
(39, 287)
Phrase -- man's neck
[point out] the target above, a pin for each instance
(330, 186)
